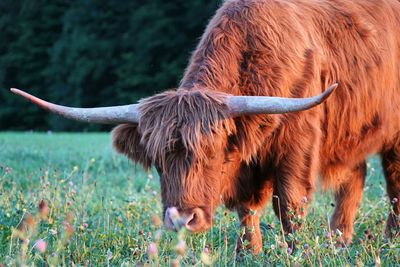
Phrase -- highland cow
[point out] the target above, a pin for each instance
(224, 136)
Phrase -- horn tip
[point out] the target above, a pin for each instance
(333, 86)
(17, 91)
(327, 93)
(330, 89)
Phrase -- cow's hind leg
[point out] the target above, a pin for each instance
(391, 166)
(348, 196)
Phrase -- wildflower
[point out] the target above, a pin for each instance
(40, 245)
(328, 234)
(156, 220)
(92, 160)
(75, 168)
(372, 170)
(377, 261)
(306, 246)
(289, 250)
(158, 235)
(108, 257)
(175, 263)
(29, 222)
(85, 225)
(68, 203)
(395, 200)
(180, 247)
(53, 231)
(69, 229)
(150, 176)
(368, 235)
(152, 249)
(8, 170)
(272, 247)
(69, 217)
(154, 193)
(205, 258)
(71, 184)
(282, 244)
(43, 209)
(304, 200)
(73, 192)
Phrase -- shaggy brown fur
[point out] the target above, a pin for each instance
(289, 48)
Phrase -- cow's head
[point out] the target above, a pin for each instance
(184, 135)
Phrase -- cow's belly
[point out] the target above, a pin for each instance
(347, 151)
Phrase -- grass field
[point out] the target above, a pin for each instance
(98, 209)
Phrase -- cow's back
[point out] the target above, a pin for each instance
(296, 48)
(360, 43)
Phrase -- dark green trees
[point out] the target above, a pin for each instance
(92, 53)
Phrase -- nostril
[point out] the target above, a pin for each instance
(191, 220)
(196, 221)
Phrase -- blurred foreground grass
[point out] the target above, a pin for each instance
(98, 209)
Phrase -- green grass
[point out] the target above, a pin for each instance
(103, 210)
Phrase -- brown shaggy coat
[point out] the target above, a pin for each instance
(289, 48)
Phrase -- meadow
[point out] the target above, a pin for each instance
(69, 199)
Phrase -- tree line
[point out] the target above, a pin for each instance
(92, 53)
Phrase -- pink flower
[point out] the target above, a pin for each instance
(71, 184)
(152, 249)
(395, 200)
(40, 245)
(181, 247)
(328, 234)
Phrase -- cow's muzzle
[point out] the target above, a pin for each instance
(194, 220)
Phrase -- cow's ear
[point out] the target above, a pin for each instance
(126, 140)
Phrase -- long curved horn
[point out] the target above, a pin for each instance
(105, 115)
(251, 105)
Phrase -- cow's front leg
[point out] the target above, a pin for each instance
(250, 235)
(293, 185)
(290, 207)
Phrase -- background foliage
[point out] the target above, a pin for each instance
(92, 53)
